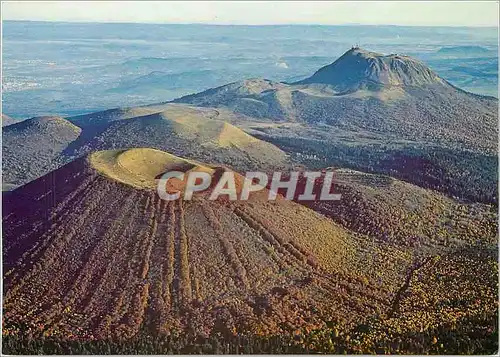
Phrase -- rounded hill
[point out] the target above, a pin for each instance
(35, 146)
(189, 132)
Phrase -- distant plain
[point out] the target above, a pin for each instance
(74, 68)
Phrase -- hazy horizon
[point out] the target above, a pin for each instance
(262, 13)
(76, 68)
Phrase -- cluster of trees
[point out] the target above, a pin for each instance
(433, 114)
(475, 335)
(453, 299)
(406, 215)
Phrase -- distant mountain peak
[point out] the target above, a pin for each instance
(359, 68)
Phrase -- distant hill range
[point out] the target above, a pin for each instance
(465, 51)
(378, 113)
(35, 146)
(391, 94)
(387, 114)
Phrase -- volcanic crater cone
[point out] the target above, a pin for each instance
(91, 250)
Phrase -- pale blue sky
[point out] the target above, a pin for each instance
(428, 13)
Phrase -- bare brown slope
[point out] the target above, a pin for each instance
(85, 255)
